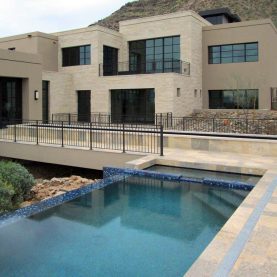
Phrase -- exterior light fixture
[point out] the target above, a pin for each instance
(36, 95)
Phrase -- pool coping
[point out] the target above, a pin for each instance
(214, 182)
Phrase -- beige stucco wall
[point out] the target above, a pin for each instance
(42, 44)
(264, 147)
(250, 75)
(62, 96)
(29, 68)
(91, 159)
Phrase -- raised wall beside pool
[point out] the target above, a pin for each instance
(262, 147)
(92, 159)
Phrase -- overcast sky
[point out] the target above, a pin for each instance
(22, 16)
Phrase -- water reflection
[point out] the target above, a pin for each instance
(161, 207)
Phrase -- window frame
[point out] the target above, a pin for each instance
(221, 96)
(234, 54)
(154, 52)
(76, 55)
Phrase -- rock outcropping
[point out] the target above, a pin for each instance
(49, 188)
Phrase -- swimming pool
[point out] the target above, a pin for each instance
(134, 227)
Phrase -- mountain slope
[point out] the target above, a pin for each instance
(246, 9)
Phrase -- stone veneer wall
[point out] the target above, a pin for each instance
(188, 25)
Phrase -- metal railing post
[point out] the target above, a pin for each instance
(69, 119)
(52, 118)
(183, 123)
(62, 135)
(123, 138)
(161, 141)
(14, 132)
(37, 130)
(90, 136)
(213, 125)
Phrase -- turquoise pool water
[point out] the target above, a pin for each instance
(135, 227)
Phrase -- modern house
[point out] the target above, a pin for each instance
(175, 63)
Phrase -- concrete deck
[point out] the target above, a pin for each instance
(247, 244)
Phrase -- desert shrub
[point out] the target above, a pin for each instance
(6, 196)
(20, 179)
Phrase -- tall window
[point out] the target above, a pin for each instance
(110, 61)
(10, 98)
(234, 53)
(155, 55)
(45, 101)
(133, 105)
(79, 55)
(234, 99)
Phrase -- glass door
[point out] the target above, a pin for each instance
(11, 99)
(84, 105)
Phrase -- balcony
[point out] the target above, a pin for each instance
(152, 67)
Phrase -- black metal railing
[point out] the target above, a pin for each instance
(122, 137)
(237, 125)
(220, 125)
(147, 119)
(149, 67)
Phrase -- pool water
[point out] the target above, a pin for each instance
(134, 227)
(197, 173)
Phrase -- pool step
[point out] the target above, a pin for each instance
(240, 194)
(233, 200)
(214, 203)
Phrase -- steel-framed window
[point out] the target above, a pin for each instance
(234, 53)
(155, 55)
(77, 55)
(234, 99)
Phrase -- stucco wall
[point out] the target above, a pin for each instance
(42, 44)
(65, 156)
(249, 75)
(28, 67)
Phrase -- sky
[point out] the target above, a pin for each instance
(23, 16)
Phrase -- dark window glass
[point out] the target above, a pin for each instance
(110, 61)
(215, 19)
(234, 99)
(155, 55)
(79, 55)
(133, 105)
(168, 41)
(84, 105)
(234, 53)
(45, 101)
(10, 98)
